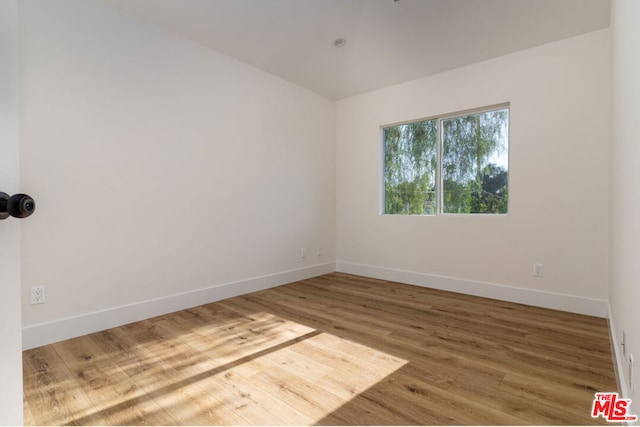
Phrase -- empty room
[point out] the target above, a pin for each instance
(319, 212)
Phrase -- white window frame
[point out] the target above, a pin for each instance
(439, 147)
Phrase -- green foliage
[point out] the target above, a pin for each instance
(456, 197)
(471, 183)
(411, 198)
(493, 195)
(410, 168)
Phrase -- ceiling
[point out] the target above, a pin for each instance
(388, 41)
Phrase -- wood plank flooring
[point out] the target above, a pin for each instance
(335, 349)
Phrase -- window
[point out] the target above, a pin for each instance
(410, 168)
(455, 164)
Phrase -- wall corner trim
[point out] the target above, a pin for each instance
(569, 303)
(74, 326)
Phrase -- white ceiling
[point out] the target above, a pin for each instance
(388, 42)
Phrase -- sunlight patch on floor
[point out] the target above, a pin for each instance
(226, 368)
(309, 370)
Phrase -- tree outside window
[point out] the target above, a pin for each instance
(452, 165)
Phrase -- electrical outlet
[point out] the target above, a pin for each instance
(538, 270)
(38, 295)
(319, 250)
(303, 252)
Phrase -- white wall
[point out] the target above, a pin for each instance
(10, 320)
(168, 175)
(625, 181)
(558, 181)
(160, 168)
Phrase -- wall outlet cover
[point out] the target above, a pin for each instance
(38, 295)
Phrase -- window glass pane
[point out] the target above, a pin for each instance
(475, 163)
(410, 168)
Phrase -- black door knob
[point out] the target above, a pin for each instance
(18, 206)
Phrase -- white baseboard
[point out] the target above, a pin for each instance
(75, 326)
(618, 361)
(61, 329)
(570, 303)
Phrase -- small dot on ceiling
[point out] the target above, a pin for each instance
(339, 42)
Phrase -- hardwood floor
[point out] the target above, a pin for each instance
(335, 349)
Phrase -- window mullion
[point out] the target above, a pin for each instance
(438, 184)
